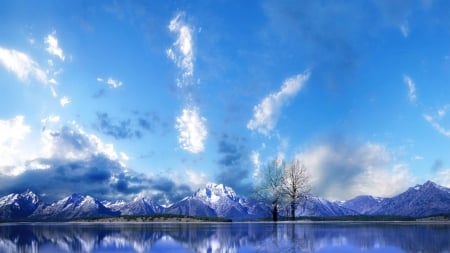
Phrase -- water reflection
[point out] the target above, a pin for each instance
(225, 237)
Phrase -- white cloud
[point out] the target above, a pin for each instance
(436, 125)
(443, 111)
(340, 170)
(411, 88)
(51, 119)
(404, 28)
(112, 83)
(53, 47)
(442, 177)
(71, 142)
(254, 158)
(22, 65)
(192, 130)
(12, 135)
(64, 101)
(181, 52)
(265, 114)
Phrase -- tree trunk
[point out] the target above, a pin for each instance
(275, 213)
(293, 210)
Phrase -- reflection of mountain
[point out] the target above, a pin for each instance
(223, 237)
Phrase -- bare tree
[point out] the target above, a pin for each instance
(270, 188)
(295, 185)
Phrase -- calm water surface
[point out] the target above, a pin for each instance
(224, 237)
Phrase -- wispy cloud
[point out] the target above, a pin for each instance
(192, 130)
(181, 52)
(435, 120)
(404, 28)
(436, 125)
(53, 46)
(64, 101)
(112, 83)
(22, 65)
(265, 114)
(411, 88)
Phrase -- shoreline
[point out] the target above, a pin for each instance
(199, 221)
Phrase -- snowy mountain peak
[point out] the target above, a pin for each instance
(214, 192)
(429, 185)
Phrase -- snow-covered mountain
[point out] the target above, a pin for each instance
(319, 207)
(363, 204)
(73, 206)
(220, 201)
(140, 206)
(18, 206)
(421, 200)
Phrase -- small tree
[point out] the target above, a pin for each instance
(295, 185)
(270, 188)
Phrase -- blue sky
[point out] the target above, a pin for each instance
(120, 98)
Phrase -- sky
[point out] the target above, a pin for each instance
(118, 99)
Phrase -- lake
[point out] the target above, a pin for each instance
(224, 237)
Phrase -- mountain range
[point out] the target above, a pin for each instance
(218, 200)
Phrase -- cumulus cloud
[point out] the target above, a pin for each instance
(112, 83)
(181, 52)
(64, 101)
(12, 133)
(22, 65)
(411, 88)
(341, 169)
(53, 46)
(265, 114)
(192, 130)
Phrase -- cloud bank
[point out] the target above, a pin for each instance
(71, 160)
(341, 169)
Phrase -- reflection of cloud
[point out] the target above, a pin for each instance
(192, 130)
(265, 114)
(341, 169)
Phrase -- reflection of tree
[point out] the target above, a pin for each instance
(224, 237)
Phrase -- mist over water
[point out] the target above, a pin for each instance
(224, 237)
